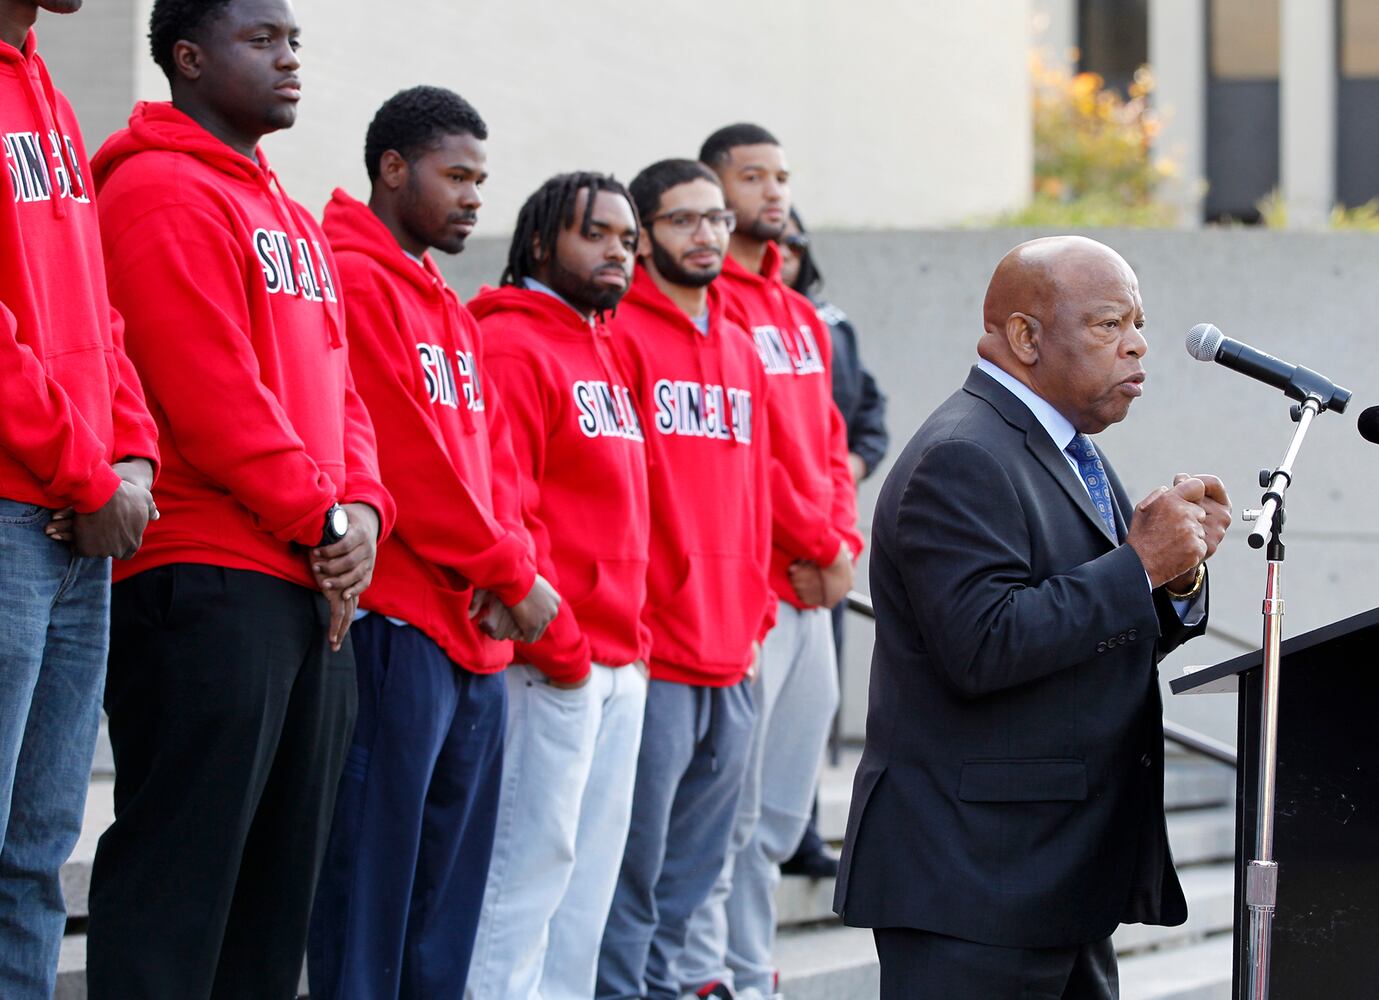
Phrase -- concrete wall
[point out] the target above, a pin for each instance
(916, 300)
(895, 114)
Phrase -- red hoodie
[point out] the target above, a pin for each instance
(416, 355)
(813, 498)
(72, 405)
(580, 446)
(708, 464)
(233, 321)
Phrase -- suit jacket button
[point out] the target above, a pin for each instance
(1134, 634)
(1101, 647)
(1146, 760)
(1122, 639)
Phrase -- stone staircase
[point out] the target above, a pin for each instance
(820, 959)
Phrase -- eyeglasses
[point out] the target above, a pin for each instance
(796, 243)
(685, 221)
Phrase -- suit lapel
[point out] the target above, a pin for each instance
(1041, 446)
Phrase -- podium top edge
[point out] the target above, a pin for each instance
(1200, 681)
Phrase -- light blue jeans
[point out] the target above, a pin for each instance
(569, 764)
(54, 630)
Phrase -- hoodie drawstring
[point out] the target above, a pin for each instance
(449, 309)
(45, 112)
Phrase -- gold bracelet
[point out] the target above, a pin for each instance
(1192, 591)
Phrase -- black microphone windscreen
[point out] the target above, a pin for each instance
(1369, 424)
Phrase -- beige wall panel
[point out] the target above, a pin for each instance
(895, 113)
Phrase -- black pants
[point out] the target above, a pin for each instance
(229, 721)
(917, 965)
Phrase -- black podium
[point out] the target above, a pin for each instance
(1326, 840)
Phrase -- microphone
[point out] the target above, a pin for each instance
(1206, 343)
(1369, 424)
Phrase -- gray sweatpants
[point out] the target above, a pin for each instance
(732, 931)
(695, 746)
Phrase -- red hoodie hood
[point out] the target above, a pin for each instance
(159, 125)
(645, 293)
(555, 315)
(352, 227)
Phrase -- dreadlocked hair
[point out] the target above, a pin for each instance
(173, 21)
(549, 210)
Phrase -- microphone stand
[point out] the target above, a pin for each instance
(1261, 874)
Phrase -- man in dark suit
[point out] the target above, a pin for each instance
(1008, 810)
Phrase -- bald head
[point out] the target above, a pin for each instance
(1063, 303)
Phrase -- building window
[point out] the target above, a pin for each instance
(1359, 39)
(1244, 39)
(1113, 39)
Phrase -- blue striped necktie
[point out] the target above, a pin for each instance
(1094, 478)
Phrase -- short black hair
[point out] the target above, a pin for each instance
(648, 186)
(173, 21)
(718, 148)
(810, 279)
(413, 121)
(550, 209)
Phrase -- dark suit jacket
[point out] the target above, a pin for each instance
(1011, 790)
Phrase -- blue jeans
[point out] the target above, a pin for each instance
(54, 627)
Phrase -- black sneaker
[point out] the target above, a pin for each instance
(814, 864)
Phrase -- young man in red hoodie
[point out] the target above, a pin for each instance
(814, 520)
(702, 390)
(576, 698)
(403, 880)
(231, 689)
(77, 453)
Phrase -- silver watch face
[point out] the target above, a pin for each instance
(339, 521)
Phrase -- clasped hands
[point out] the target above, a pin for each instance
(822, 586)
(1177, 528)
(525, 621)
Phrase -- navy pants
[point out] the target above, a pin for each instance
(397, 905)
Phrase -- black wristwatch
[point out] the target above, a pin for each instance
(337, 524)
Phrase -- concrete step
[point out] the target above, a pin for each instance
(839, 963)
(828, 963)
(76, 873)
(103, 764)
(1189, 783)
(1199, 972)
(71, 969)
(1210, 893)
(1202, 836)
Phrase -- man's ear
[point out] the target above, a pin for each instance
(1022, 337)
(393, 170)
(538, 254)
(186, 59)
(643, 243)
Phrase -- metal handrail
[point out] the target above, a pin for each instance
(1189, 739)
